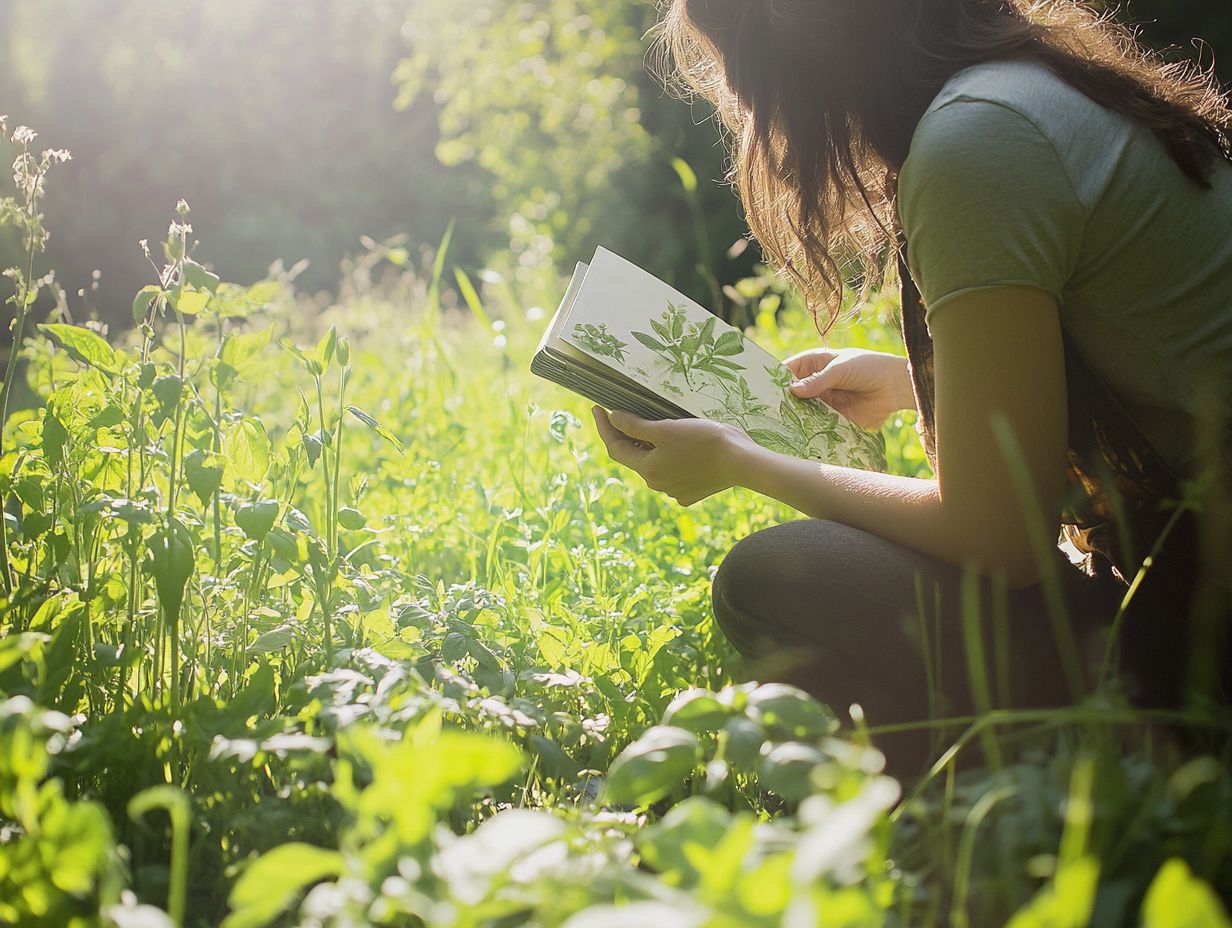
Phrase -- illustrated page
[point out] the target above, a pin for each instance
(632, 321)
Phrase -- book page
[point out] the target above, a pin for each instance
(635, 323)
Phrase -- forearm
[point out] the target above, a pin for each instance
(905, 510)
(904, 388)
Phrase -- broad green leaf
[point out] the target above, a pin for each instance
(274, 640)
(698, 711)
(790, 711)
(271, 883)
(144, 300)
(172, 558)
(203, 470)
(83, 345)
(351, 519)
(652, 766)
(264, 292)
(54, 437)
(668, 846)
(192, 302)
(1178, 899)
(247, 450)
(787, 769)
(199, 278)
(242, 349)
(324, 353)
(257, 518)
(743, 739)
(729, 343)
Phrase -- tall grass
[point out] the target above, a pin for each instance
(365, 611)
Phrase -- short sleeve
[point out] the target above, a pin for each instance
(985, 202)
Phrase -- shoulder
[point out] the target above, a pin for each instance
(1014, 117)
(1000, 111)
(1029, 88)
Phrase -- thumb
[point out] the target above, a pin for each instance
(633, 426)
(823, 381)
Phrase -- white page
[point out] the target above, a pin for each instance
(630, 320)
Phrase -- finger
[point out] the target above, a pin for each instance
(808, 362)
(621, 448)
(634, 426)
(820, 382)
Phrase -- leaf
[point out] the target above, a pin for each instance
(471, 298)
(787, 769)
(143, 301)
(257, 518)
(274, 640)
(697, 710)
(326, 347)
(351, 519)
(273, 881)
(688, 177)
(729, 343)
(264, 292)
(203, 471)
(172, 559)
(708, 327)
(191, 302)
(54, 437)
(167, 391)
(376, 427)
(197, 277)
(649, 342)
(247, 450)
(677, 324)
(1178, 899)
(83, 345)
(652, 766)
(241, 349)
(789, 710)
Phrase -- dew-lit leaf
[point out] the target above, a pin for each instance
(84, 345)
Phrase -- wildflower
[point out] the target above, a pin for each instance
(24, 135)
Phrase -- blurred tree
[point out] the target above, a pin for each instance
(274, 120)
(552, 100)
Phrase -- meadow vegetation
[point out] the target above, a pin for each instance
(331, 615)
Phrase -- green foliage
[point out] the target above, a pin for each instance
(451, 668)
(576, 140)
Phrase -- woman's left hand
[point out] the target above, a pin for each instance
(688, 459)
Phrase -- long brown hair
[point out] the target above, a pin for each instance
(820, 98)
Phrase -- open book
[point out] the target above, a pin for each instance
(625, 340)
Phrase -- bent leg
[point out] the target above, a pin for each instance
(853, 618)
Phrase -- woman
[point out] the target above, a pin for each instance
(1066, 202)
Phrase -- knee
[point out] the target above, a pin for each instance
(753, 585)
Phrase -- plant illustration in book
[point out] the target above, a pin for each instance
(600, 341)
(690, 349)
(713, 371)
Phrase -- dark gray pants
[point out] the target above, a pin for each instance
(853, 618)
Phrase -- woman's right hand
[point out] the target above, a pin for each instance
(865, 386)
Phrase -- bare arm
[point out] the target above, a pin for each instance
(998, 353)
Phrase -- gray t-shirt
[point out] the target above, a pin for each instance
(1015, 178)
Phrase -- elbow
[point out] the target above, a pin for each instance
(1002, 548)
(1015, 564)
